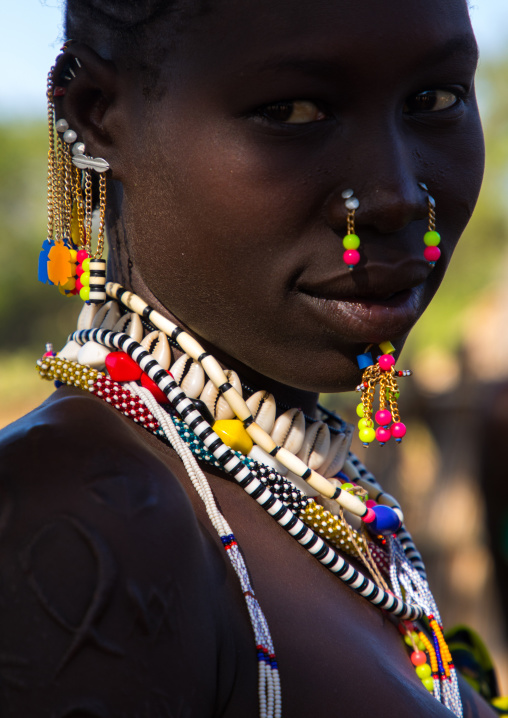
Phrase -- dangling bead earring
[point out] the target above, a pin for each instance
(431, 237)
(383, 373)
(351, 241)
(65, 258)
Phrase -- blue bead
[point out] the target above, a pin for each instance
(386, 521)
(364, 360)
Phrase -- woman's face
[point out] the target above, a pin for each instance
(233, 175)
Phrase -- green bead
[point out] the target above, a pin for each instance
(367, 435)
(351, 241)
(359, 410)
(429, 684)
(431, 238)
(346, 487)
(365, 423)
(391, 395)
(423, 671)
(84, 293)
(420, 645)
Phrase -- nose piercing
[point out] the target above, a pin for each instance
(351, 241)
(431, 237)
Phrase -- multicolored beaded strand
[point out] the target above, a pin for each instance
(215, 372)
(448, 692)
(232, 465)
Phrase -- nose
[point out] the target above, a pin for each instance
(386, 178)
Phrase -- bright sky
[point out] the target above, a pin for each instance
(30, 32)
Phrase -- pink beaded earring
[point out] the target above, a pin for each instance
(351, 241)
(431, 237)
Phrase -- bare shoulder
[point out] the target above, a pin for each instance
(107, 593)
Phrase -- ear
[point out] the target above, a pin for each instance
(86, 96)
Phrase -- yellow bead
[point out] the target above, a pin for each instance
(73, 254)
(387, 347)
(232, 433)
(84, 293)
(70, 284)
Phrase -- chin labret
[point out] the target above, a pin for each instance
(387, 417)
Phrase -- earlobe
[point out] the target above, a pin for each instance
(85, 88)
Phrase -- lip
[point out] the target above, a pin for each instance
(370, 307)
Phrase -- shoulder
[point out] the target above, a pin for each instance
(107, 581)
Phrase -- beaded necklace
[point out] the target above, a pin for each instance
(409, 597)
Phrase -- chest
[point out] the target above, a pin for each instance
(337, 654)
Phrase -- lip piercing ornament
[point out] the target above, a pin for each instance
(387, 417)
(351, 241)
(431, 237)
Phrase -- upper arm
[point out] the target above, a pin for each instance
(107, 605)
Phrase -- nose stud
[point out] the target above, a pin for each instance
(431, 238)
(351, 241)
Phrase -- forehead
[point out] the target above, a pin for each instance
(236, 34)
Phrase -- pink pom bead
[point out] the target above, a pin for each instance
(351, 257)
(386, 361)
(79, 286)
(369, 516)
(383, 434)
(383, 417)
(370, 503)
(398, 430)
(82, 255)
(432, 254)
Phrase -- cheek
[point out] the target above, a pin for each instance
(457, 173)
(223, 220)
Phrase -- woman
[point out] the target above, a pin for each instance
(232, 134)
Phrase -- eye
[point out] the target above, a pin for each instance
(296, 112)
(432, 101)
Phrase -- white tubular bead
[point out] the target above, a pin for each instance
(189, 345)
(294, 464)
(351, 503)
(388, 500)
(351, 470)
(265, 441)
(237, 404)
(131, 301)
(213, 370)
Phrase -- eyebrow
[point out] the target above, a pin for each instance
(461, 45)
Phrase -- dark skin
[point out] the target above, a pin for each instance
(232, 221)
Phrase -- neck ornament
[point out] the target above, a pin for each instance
(151, 396)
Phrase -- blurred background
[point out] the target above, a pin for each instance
(450, 472)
